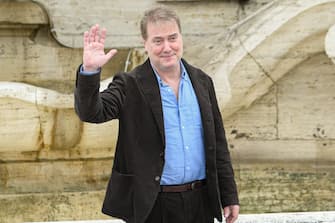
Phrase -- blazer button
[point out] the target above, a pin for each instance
(157, 178)
(161, 154)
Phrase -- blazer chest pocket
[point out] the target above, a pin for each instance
(119, 195)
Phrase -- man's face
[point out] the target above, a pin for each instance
(164, 45)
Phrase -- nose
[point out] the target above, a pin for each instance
(167, 47)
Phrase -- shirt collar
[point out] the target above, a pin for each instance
(183, 71)
(184, 74)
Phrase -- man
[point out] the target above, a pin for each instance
(172, 164)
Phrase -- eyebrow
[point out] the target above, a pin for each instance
(160, 37)
(173, 35)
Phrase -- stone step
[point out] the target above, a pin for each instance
(294, 217)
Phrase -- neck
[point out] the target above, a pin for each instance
(172, 78)
(171, 74)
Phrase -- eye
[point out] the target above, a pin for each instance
(157, 41)
(172, 38)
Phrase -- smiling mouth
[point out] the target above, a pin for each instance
(167, 56)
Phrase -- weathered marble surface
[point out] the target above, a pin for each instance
(283, 144)
(199, 18)
(265, 48)
(330, 43)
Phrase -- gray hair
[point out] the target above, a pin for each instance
(157, 14)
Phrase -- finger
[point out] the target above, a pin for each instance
(86, 39)
(97, 33)
(111, 53)
(108, 56)
(103, 35)
(231, 219)
(92, 34)
(226, 211)
(234, 211)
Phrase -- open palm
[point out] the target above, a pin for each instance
(94, 55)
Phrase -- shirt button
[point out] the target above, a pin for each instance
(157, 178)
(186, 147)
(188, 168)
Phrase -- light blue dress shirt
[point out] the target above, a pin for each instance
(184, 151)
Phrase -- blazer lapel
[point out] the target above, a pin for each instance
(200, 86)
(152, 94)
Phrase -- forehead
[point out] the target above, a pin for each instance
(162, 28)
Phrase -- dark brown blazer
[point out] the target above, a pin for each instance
(134, 98)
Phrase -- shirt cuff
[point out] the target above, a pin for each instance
(88, 73)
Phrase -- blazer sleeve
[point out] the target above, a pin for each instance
(226, 180)
(97, 107)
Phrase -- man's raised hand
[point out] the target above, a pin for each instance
(94, 55)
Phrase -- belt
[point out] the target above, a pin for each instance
(183, 187)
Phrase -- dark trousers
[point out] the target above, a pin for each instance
(182, 207)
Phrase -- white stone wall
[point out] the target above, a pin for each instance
(283, 144)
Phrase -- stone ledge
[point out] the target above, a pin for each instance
(294, 217)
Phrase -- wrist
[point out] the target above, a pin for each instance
(90, 69)
(88, 73)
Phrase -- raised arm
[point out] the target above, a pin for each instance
(90, 104)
